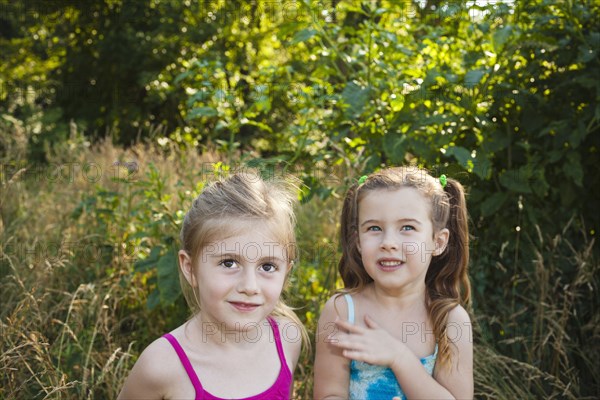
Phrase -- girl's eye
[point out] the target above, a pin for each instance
(268, 267)
(408, 228)
(374, 228)
(228, 263)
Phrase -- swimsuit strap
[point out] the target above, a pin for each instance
(350, 308)
(275, 328)
(186, 362)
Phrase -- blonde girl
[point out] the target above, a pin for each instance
(399, 330)
(242, 342)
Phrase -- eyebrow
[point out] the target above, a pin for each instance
(217, 254)
(237, 256)
(374, 221)
(275, 260)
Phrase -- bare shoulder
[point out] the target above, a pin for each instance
(459, 325)
(291, 339)
(335, 308)
(152, 373)
(160, 350)
(458, 378)
(331, 368)
(459, 314)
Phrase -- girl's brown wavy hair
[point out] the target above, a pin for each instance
(446, 281)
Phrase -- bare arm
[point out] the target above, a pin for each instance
(459, 380)
(454, 382)
(332, 369)
(150, 375)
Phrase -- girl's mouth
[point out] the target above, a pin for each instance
(389, 265)
(244, 307)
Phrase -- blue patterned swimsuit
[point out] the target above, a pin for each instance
(374, 382)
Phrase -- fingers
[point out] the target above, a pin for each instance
(351, 354)
(344, 341)
(370, 323)
(354, 354)
(347, 326)
(349, 343)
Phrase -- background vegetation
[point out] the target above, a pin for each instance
(113, 114)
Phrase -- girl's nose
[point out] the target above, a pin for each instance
(389, 242)
(248, 283)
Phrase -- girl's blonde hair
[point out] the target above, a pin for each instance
(447, 282)
(244, 197)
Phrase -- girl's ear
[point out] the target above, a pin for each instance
(185, 263)
(441, 241)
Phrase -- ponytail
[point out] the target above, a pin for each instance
(447, 280)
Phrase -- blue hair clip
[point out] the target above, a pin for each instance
(443, 180)
(362, 179)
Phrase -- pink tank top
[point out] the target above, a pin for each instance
(280, 390)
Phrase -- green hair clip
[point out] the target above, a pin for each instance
(443, 180)
(362, 179)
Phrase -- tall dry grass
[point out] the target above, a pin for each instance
(554, 344)
(73, 316)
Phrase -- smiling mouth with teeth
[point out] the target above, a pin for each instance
(388, 264)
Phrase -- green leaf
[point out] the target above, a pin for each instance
(168, 278)
(356, 97)
(539, 185)
(145, 264)
(431, 77)
(303, 35)
(200, 95)
(182, 76)
(395, 147)
(577, 134)
(493, 203)
(516, 180)
(500, 37)
(153, 299)
(462, 155)
(260, 125)
(482, 167)
(200, 112)
(573, 169)
(473, 77)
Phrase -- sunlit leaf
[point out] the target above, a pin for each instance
(200, 112)
(462, 155)
(473, 77)
(304, 35)
(501, 36)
